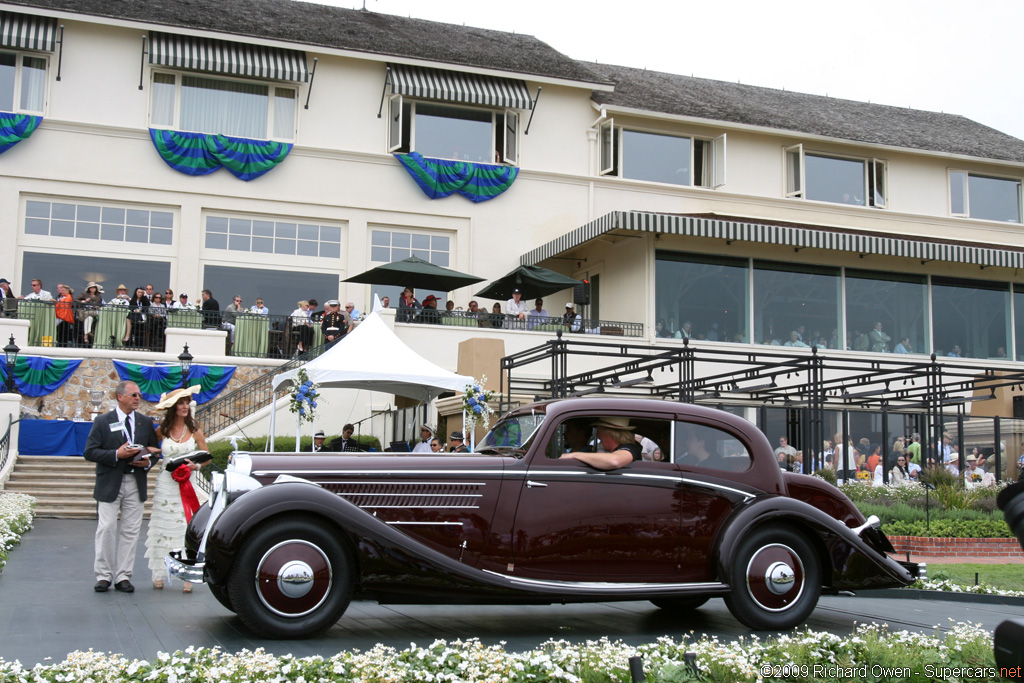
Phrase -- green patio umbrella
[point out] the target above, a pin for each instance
(532, 281)
(416, 273)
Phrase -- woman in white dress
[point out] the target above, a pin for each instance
(179, 435)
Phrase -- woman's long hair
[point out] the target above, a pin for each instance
(171, 416)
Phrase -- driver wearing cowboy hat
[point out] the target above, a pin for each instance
(618, 439)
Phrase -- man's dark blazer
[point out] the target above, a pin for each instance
(211, 312)
(101, 448)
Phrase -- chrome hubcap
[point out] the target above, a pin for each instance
(779, 578)
(775, 577)
(295, 579)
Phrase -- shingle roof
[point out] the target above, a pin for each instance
(814, 114)
(347, 29)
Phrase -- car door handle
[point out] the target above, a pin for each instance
(531, 484)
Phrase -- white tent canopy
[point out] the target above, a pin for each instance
(372, 357)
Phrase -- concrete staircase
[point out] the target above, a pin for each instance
(61, 485)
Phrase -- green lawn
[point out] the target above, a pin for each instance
(1004, 576)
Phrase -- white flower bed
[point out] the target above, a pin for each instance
(872, 652)
(950, 587)
(16, 515)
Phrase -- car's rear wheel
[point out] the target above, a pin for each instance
(292, 579)
(680, 605)
(775, 579)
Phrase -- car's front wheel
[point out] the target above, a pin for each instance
(775, 579)
(291, 579)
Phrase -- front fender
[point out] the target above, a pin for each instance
(256, 506)
(847, 558)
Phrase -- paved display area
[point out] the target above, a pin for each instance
(48, 608)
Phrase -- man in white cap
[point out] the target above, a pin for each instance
(572, 319)
(423, 446)
(318, 443)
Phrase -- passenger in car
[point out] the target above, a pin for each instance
(577, 436)
(616, 436)
(695, 452)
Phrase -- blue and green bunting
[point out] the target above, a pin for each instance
(39, 375)
(154, 380)
(201, 154)
(441, 178)
(16, 127)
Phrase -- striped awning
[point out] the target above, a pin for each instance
(226, 57)
(452, 86)
(27, 32)
(811, 237)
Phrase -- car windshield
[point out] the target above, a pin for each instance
(512, 433)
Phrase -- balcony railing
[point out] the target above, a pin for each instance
(501, 321)
(254, 336)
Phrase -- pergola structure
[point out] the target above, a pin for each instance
(807, 381)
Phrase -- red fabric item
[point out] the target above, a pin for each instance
(189, 501)
(63, 306)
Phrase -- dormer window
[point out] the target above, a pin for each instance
(835, 179)
(662, 158)
(456, 116)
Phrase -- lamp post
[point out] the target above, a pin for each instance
(11, 358)
(185, 360)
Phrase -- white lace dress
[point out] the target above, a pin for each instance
(167, 519)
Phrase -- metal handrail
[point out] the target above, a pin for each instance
(549, 324)
(248, 398)
(5, 442)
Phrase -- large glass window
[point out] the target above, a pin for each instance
(202, 104)
(387, 246)
(701, 297)
(795, 304)
(970, 318)
(75, 271)
(840, 180)
(1018, 319)
(886, 312)
(279, 289)
(98, 222)
(22, 82)
(293, 238)
(448, 132)
(985, 197)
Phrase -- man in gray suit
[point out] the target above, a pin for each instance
(120, 443)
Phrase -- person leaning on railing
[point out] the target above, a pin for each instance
(65, 316)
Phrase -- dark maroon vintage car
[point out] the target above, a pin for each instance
(287, 541)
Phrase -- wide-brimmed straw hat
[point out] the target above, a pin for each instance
(98, 286)
(168, 399)
(614, 423)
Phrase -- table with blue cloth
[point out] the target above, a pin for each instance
(52, 437)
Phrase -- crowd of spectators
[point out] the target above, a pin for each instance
(517, 314)
(907, 457)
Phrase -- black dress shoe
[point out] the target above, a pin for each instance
(101, 586)
(125, 586)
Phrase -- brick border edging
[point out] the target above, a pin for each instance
(949, 596)
(957, 547)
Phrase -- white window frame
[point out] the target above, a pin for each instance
(19, 56)
(396, 123)
(179, 77)
(611, 149)
(967, 196)
(794, 182)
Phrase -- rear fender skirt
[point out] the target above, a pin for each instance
(390, 560)
(849, 559)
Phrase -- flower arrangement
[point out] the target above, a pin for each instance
(883, 653)
(476, 406)
(304, 395)
(16, 515)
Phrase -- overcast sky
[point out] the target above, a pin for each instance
(941, 55)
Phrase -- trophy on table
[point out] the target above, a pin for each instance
(96, 399)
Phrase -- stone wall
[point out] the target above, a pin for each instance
(99, 373)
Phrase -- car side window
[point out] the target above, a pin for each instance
(698, 445)
(579, 434)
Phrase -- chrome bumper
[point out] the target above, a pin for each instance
(184, 569)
